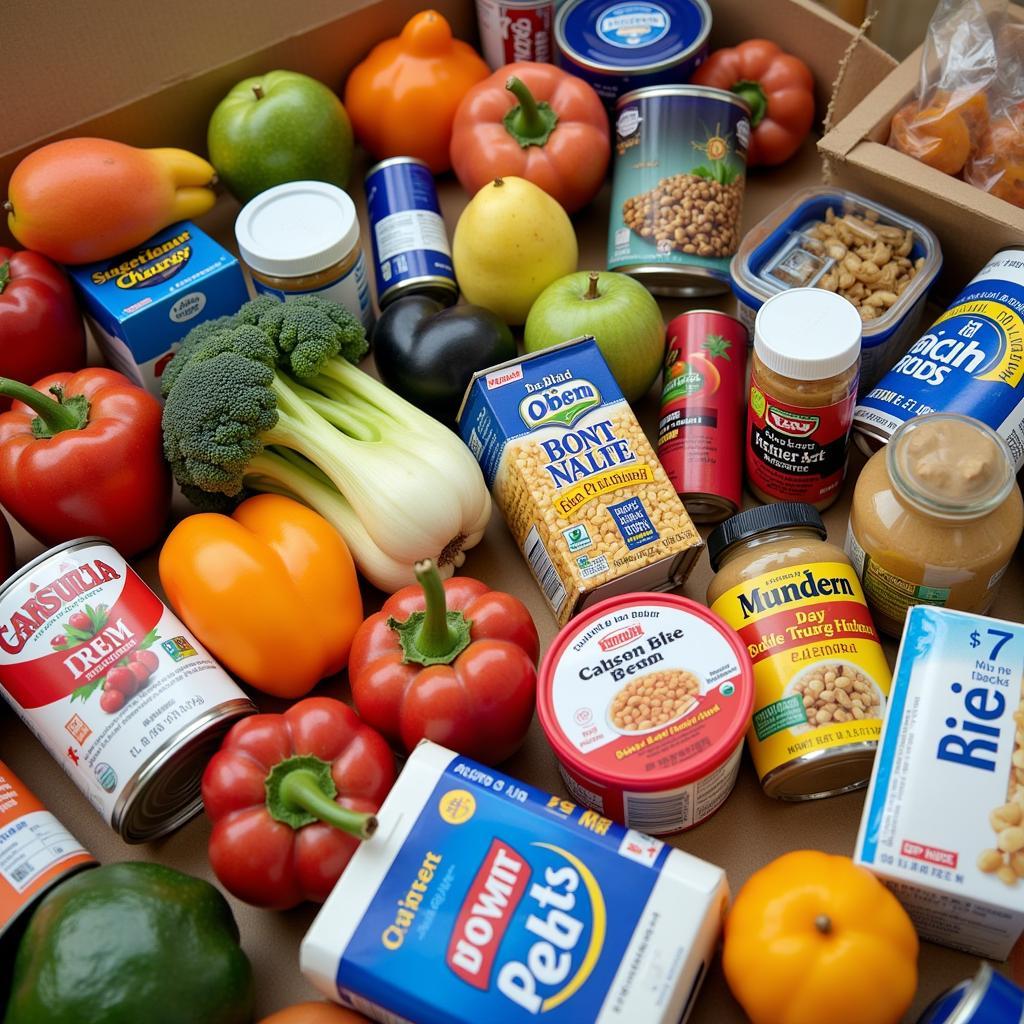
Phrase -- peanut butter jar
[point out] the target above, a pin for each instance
(936, 516)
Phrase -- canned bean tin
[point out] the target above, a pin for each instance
(113, 684)
(700, 430)
(970, 361)
(987, 998)
(621, 46)
(645, 699)
(411, 254)
(514, 30)
(677, 187)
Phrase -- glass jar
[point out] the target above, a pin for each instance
(936, 515)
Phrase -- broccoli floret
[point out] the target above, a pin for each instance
(213, 337)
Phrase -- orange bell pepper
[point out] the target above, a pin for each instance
(402, 98)
(813, 937)
(270, 590)
(537, 122)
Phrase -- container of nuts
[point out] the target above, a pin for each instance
(645, 699)
(677, 187)
(882, 262)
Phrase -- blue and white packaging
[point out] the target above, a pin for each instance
(142, 303)
(480, 898)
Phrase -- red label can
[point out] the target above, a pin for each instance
(700, 431)
(514, 30)
(114, 685)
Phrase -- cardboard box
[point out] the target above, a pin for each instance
(971, 224)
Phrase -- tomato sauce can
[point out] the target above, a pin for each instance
(514, 30)
(134, 741)
(700, 429)
(645, 699)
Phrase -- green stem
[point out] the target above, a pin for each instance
(753, 95)
(530, 123)
(300, 790)
(434, 637)
(52, 417)
(5, 275)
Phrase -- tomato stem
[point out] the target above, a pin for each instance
(753, 95)
(530, 123)
(434, 636)
(300, 790)
(53, 415)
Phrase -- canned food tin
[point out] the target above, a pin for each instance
(970, 361)
(514, 30)
(677, 187)
(115, 687)
(36, 852)
(987, 998)
(411, 254)
(700, 431)
(621, 46)
(645, 699)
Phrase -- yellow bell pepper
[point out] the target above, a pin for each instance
(270, 591)
(812, 937)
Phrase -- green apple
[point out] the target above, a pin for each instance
(277, 127)
(619, 312)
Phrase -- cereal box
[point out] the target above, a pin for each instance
(578, 482)
(943, 823)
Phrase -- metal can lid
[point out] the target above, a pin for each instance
(296, 229)
(761, 519)
(808, 334)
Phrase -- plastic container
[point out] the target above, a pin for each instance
(772, 258)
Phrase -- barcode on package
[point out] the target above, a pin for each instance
(544, 569)
(657, 813)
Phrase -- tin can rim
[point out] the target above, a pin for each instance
(715, 312)
(439, 281)
(574, 55)
(706, 91)
(693, 769)
(393, 161)
(33, 563)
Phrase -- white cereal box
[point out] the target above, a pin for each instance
(943, 822)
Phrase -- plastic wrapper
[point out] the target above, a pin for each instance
(967, 116)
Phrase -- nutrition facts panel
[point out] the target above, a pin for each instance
(32, 845)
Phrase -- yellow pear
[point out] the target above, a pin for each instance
(510, 243)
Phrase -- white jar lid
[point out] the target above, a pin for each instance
(807, 334)
(298, 228)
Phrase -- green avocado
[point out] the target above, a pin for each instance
(130, 943)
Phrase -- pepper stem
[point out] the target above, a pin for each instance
(592, 292)
(52, 416)
(434, 636)
(530, 123)
(300, 791)
(5, 275)
(753, 95)
(823, 923)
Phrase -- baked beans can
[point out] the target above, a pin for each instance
(514, 30)
(645, 699)
(114, 685)
(36, 852)
(987, 998)
(970, 361)
(700, 430)
(411, 252)
(618, 46)
(679, 169)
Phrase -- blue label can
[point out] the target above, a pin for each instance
(411, 254)
(971, 361)
(619, 46)
(987, 998)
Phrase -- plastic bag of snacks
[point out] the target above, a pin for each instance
(967, 117)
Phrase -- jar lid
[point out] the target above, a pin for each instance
(761, 519)
(298, 228)
(808, 334)
(950, 465)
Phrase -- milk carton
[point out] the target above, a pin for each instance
(943, 822)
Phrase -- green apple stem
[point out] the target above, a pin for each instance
(258, 91)
(592, 292)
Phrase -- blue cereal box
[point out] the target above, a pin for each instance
(576, 478)
(481, 899)
(141, 303)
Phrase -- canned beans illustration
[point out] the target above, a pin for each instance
(113, 684)
(654, 700)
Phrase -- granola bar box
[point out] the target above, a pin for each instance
(576, 478)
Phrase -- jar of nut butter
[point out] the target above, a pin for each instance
(936, 515)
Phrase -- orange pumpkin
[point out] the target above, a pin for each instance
(812, 937)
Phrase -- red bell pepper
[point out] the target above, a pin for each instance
(452, 662)
(290, 797)
(41, 329)
(6, 549)
(87, 461)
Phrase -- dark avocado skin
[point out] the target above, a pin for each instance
(131, 943)
(427, 352)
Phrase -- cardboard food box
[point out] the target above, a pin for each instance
(971, 224)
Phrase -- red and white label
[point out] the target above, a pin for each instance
(515, 31)
(929, 854)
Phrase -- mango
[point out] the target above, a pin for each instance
(82, 200)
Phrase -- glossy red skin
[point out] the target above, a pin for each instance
(107, 479)
(6, 549)
(41, 329)
(480, 705)
(266, 862)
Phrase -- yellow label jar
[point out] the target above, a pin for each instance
(820, 676)
(302, 238)
(936, 515)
